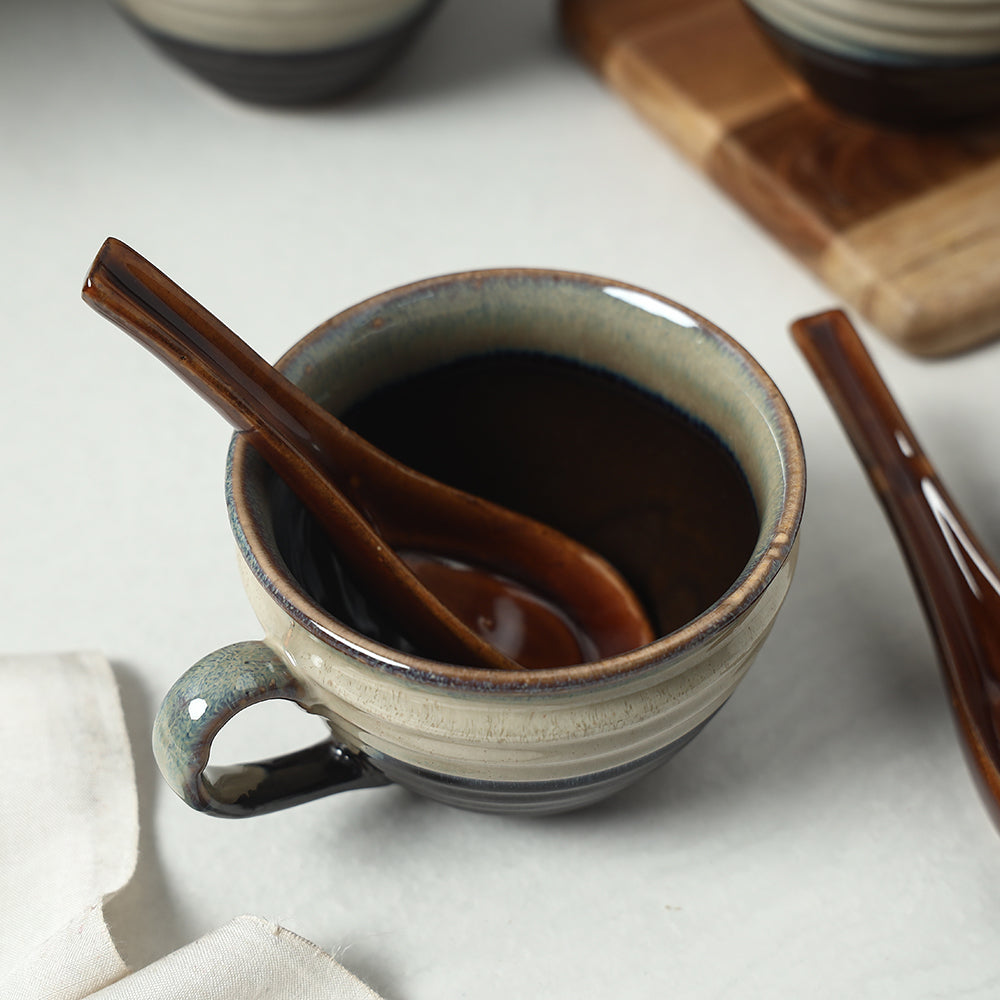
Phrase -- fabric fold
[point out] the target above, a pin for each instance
(246, 958)
(69, 826)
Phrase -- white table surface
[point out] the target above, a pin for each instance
(821, 838)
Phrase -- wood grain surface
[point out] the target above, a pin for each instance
(904, 227)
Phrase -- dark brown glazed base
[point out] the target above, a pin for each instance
(293, 78)
(907, 95)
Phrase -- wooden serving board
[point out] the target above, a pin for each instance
(904, 227)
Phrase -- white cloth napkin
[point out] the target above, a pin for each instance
(69, 834)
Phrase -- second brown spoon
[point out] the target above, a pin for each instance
(958, 584)
(574, 606)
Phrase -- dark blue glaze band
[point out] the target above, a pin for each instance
(531, 797)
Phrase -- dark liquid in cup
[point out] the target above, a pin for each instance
(656, 494)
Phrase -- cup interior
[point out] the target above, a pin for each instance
(614, 331)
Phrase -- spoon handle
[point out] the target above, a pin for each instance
(279, 420)
(128, 290)
(957, 583)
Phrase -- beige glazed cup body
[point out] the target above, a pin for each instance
(531, 741)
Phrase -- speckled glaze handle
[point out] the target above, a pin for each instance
(204, 699)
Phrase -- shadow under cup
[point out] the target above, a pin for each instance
(526, 741)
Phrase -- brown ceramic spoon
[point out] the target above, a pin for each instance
(373, 508)
(958, 584)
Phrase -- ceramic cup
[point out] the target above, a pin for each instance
(906, 63)
(518, 741)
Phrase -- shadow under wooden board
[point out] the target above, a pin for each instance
(905, 227)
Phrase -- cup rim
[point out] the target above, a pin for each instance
(269, 570)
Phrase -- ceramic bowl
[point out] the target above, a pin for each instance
(908, 63)
(281, 51)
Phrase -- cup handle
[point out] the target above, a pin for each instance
(204, 699)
